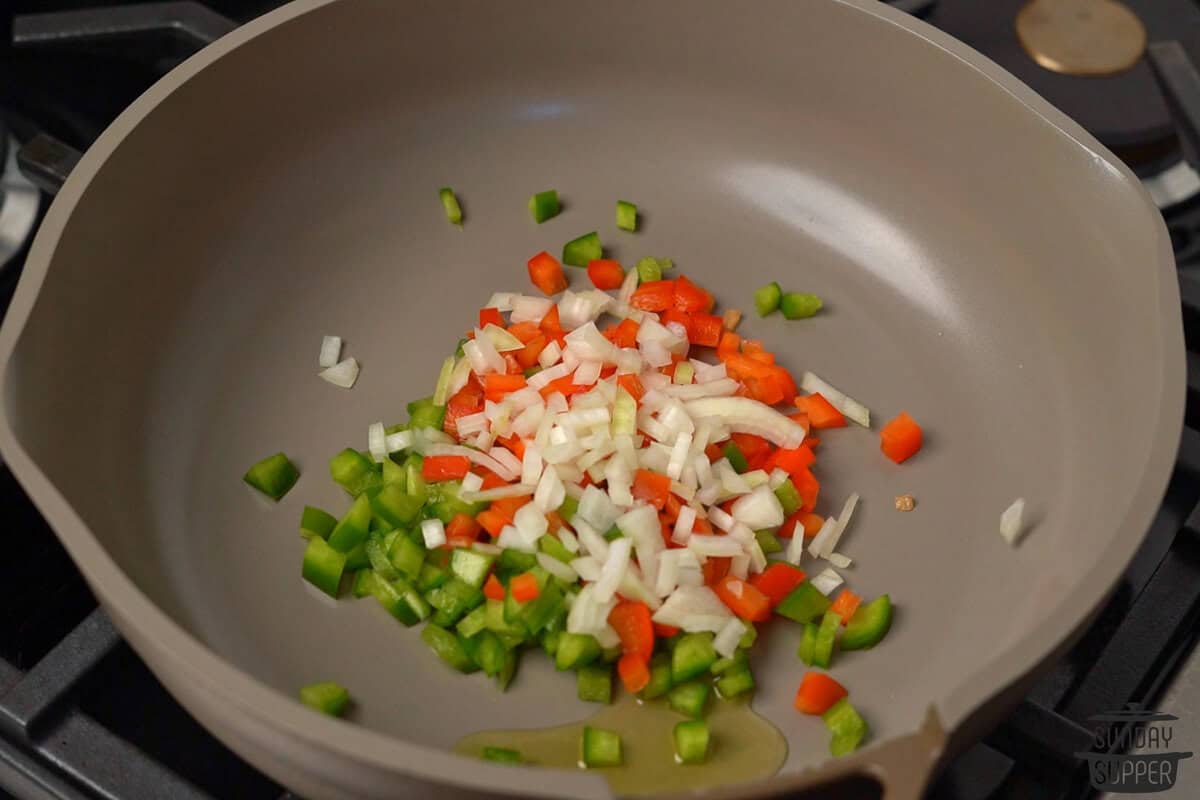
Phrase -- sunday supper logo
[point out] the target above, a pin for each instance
(1152, 768)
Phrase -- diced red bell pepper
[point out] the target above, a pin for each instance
(743, 599)
(690, 297)
(777, 581)
(705, 329)
(490, 316)
(900, 439)
(497, 387)
(547, 274)
(444, 468)
(654, 296)
(651, 487)
(631, 620)
(606, 273)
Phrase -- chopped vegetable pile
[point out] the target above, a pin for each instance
(583, 482)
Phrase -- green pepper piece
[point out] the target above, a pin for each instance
(767, 298)
(473, 623)
(576, 650)
(804, 604)
(555, 549)
(454, 598)
(579, 252)
(327, 697)
(364, 583)
(789, 497)
(600, 748)
(323, 566)
(626, 215)
(354, 472)
(539, 612)
(490, 653)
(448, 647)
(395, 506)
(651, 269)
(693, 655)
(509, 669)
(414, 482)
(501, 755)
(568, 508)
(352, 529)
(799, 306)
(377, 554)
(394, 473)
(735, 681)
(544, 205)
(408, 557)
(445, 503)
(315, 522)
(691, 741)
(273, 476)
(357, 559)
(722, 665)
(768, 542)
(402, 601)
(737, 459)
(497, 623)
(593, 683)
(748, 638)
(826, 638)
(869, 624)
(808, 643)
(514, 562)
(471, 567)
(430, 576)
(847, 726)
(450, 205)
(660, 677)
(690, 698)
(425, 413)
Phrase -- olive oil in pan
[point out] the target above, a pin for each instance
(743, 746)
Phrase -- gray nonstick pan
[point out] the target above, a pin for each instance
(986, 266)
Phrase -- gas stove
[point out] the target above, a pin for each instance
(82, 717)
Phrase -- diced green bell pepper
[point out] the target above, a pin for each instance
(401, 600)
(315, 522)
(377, 554)
(470, 567)
(691, 741)
(512, 657)
(568, 508)
(323, 566)
(473, 623)
(414, 481)
(693, 655)
(593, 683)
(789, 497)
(450, 205)
(455, 598)
(737, 459)
(579, 252)
(514, 562)
(543, 609)
(430, 577)
(273, 476)
(550, 641)
(768, 542)
(690, 698)
(394, 473)
(490, 654)
(804, 604)
(354, 472)
(610, 655)
(496, 622)
(448, 647)
(408, 557)
(552, 547)
(795, 305)
(395, 506)
(626, 215)
(651, 269)
(327, 697)
(660, 677)
(846, 725)
(826, 638)
(868, 625)
(544, 205)
(357, 559)
(735, 681)
(766, 298)
(501, 755)
(576, 650)
(364, 583)
(445, 503)
(748, 638)
(352, 529)
(808, 643)
(725, 664)
(600, 748)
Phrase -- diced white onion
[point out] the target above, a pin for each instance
(398, 441)
(531, 465)
(683, 525)
(615, 564)
(377, 442)
(628, 287)
(434, 532)
(759, 509)
(501, 301)
(587, 567)
(342, 374)
(557, 568)
(550, 355)
(851, 408)
(331, 351)
(501, 339)
(826, 581)
(717, 516)
(727, 639)
(679, 455)
(778, 478)
(530, 521)
(597, 509)
(568, 540)
(530, 309)
(471, 482)
(476, 457)
(744, 415)
(498, 493)
(549, 375)
(1010, 521)
(550, 491)
(708, 545)
(591, 541)
(840, 561)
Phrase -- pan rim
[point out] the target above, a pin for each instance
(225, 683)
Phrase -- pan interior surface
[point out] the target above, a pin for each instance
(981, 269)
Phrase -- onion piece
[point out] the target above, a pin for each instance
(723, 387)
(826, 581)
(498, 493)
(342, 374)
(1010, 521)
(628, 287)
(615, 564)
(398, 441)
(550, 355)
(501, 301)
(557, 568)
(529, 309)
(471, 482)
(851, 408)
(460, 376)
(824, 546)
(331, 351)
(550, 491)
(727, 639)
(502, 340)
(693, 608)
(759, 509)
(591, 541)
(840, 561)
(708, 545)
(531, 465)
(587, 568)
(434, 532)
(377, 442)
(683, 525)
(476, 457)
(745, 415)
(441, 390)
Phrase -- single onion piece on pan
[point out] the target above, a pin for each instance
(331, 351)
(342, 374)
(1010, 521)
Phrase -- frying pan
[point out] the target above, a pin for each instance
(986, 265)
